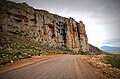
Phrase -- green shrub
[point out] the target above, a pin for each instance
(6, 56)
(83, 53)
(20, 33)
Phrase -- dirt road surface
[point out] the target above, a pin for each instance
(62, 67)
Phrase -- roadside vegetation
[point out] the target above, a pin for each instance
(117, 52)
(108, 65)
(14, 47)
(114, 60)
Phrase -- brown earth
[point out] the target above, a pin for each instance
(60, 67)
(97, 61)
(24, 62)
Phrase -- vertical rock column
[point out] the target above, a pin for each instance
(83, 38)
(72, 35)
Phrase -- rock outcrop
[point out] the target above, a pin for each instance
(43, 27)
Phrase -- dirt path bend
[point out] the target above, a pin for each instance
(62, 67)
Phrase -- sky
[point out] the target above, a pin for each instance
(101, 17)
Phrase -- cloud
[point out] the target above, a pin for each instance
(110, 41)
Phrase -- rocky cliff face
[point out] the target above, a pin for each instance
(42, 26)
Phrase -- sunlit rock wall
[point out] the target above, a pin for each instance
(42, 26)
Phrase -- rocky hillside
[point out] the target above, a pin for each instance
(95, 50)
(14, 47)
(43, 27)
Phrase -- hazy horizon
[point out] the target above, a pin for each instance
(101, 17)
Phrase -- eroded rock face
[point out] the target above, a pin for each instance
(42, 26)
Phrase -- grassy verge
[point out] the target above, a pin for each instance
(9, 56)
(114, 60)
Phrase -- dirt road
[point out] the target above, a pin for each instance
(62, 67)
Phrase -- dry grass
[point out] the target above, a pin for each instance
(99, 63)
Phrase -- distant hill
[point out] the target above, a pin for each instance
(110, 49)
